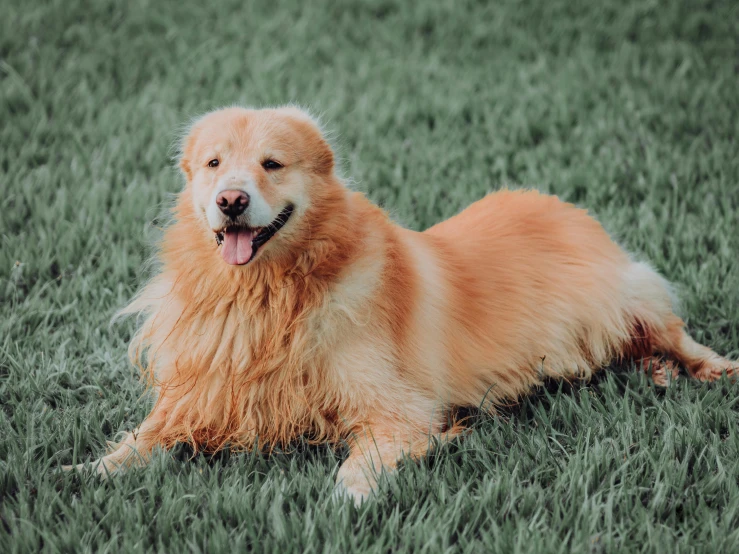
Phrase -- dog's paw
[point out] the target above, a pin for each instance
(714, 369)
(663, 372)
(97, 467)
(358, 495)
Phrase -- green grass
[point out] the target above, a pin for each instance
(628, 108)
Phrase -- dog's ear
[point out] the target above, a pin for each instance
(187, 146)
(320, 151)
(322, 155)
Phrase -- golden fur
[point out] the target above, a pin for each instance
(346, 326)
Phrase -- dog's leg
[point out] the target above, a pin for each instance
(134, 450)
(659, 331)
(374, 450)
(377, 449)
(700, 361)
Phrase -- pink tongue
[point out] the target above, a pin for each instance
(237, 246)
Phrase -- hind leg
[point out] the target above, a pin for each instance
(700, 361)
(657, 331)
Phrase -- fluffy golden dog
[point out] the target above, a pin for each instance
(288, 305)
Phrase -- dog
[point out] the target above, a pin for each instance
(289, 306)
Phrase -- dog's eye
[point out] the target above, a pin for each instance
(213, 163)
(271, 165)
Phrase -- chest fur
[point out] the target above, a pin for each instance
(241, 371)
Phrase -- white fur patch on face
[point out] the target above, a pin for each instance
(258, 213)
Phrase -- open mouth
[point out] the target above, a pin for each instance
(239, 244)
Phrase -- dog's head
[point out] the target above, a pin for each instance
(253, 175)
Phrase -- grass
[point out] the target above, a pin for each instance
(629, 108)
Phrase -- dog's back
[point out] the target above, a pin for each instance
(535, 287)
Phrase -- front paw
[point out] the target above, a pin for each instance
(355, 493)
(98, 467)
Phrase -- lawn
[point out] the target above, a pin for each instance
(628, 108)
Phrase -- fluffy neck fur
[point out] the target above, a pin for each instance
(232, 351)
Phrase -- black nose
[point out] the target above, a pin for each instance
(232, 202)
